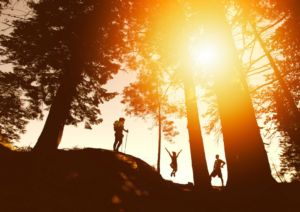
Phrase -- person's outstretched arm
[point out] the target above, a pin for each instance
(126, 130)
(179, 153)
(168, 152)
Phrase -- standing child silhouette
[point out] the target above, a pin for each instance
(217, 169)
(174, 165)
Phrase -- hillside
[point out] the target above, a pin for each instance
(103, 180)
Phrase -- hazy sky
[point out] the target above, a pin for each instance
(141, 142)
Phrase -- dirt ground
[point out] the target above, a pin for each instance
(103, 180)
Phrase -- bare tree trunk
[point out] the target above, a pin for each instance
(247, 160)
(52, 132)
(51, 135)
(159, 127)
(199, 165)
(159, 138)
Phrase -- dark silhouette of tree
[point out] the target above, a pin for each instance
(68, 50)
(286, 41)
(286, 71)
(249, 15)
(244, 149)
(15, 109)
(147, 98)
(289, 159)
(286, 122)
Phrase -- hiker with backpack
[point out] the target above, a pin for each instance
(119, 128)
(174, 165)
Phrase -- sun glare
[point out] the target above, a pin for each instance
(205, 52)
(205, 55)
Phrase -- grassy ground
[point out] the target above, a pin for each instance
(103, 180)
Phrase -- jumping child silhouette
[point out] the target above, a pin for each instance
(174, 162)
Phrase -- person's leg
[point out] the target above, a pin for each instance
(212, 175)
(115, 144)
(221, 177)
(119, 143)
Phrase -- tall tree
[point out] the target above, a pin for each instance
(245, 154)
(249, 16)
(286, 69)
(68, 51)
(174, 47)
(166, 33)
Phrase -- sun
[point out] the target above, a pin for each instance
(204, 55)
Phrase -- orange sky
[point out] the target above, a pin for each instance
(141, 142)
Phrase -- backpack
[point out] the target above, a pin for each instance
(116, 125)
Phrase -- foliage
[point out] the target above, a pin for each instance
(15, 109)
(287, 125)
(144, 97)
(289, 158)
(273, 103)
(23, 148)
(43, 46)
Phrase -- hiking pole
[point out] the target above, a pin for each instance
(125, 142)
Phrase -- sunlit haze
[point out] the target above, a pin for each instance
(142, 142)
(206, 54)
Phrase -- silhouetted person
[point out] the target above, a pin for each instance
(217, 169)
(174, 162)
(119, 128)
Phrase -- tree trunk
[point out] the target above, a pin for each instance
(247, 160)
(51, 135)
(159, 138)
(284, 87)
(199, 165)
